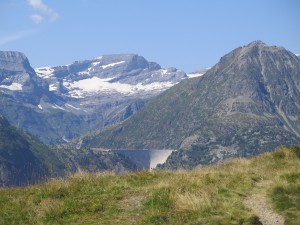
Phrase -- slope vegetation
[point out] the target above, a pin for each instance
(212, 195)
(24, 159)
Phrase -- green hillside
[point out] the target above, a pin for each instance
(24, 159)
(210, 195)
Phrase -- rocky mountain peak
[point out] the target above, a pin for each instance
(256, 43)
(16, 61)
(256, 56)
(12, 56)
(125, 62)
(16, 73)
(258, 71)
(263, 51)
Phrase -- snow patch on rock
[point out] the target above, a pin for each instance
(13, 87)
(192, 75)
(164, 72)
(112, 64)
(72, 107)
(79, 89)
(95, 63)
(52, 87)
(44, 72)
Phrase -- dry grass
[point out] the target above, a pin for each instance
(212, 195)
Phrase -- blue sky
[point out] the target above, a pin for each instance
(186, 34)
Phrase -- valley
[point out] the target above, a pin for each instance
(122, 113)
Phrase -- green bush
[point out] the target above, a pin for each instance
(296, 150)
(279, 155)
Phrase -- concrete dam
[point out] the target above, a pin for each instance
(145, 159)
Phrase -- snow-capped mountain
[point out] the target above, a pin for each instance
(124, 74)
(63, 102)
(91, 83)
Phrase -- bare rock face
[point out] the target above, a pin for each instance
(246, 104)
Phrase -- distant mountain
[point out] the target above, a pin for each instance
(24, 159)
(246, 104)
(125, 74)
(108, 89)
(64, 102)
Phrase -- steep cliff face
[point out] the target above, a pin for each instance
(21, 92)
(17, 77)
(246, 104)
(15, 62)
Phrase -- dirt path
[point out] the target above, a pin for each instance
(259, 205)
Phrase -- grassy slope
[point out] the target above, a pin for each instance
(212, 195)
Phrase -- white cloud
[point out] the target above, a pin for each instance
(36, 18)
(44, 9)
(4, 39)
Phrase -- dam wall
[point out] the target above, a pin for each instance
(146, 159)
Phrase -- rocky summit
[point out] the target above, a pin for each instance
(60, 103)
(246, 104)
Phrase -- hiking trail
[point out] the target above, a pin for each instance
(258, 203)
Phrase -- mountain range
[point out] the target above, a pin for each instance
(60, 103)
(248, 103)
